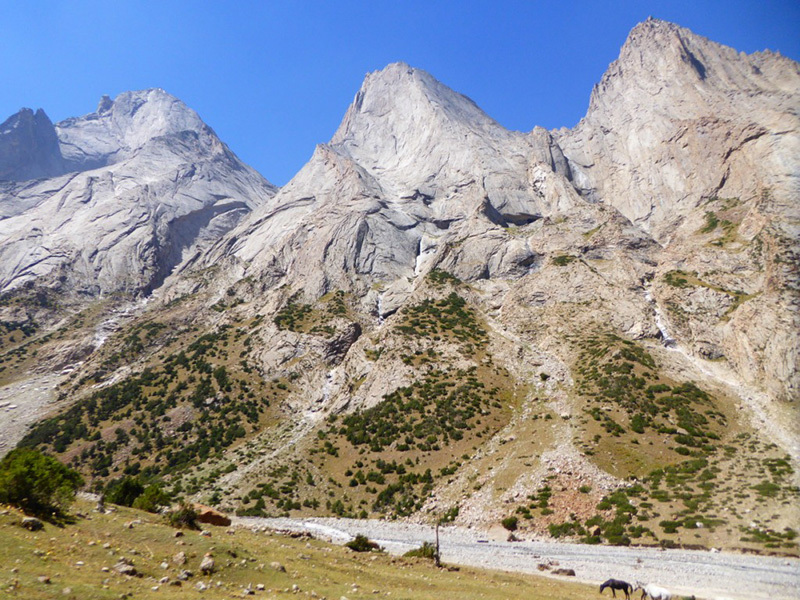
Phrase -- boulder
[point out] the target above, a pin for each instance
(124, 567)
(206, 514)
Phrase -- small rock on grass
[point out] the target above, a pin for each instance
(207, 564)
(32, 524)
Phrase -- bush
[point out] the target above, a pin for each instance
(37, 483)
(124, 491)
(510, 523)
(184, 516)
(427, 550)
(152, 499)
(362, 543)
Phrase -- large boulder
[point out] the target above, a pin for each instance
(206, 514)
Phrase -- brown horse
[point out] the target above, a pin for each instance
(617, 584)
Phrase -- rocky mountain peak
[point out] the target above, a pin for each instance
(686, 73)
(670, 84)
(143, 181)
(404, 125)
(405, 97)
(122, 126)
(29, 147)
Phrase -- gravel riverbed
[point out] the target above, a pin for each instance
(712, 575)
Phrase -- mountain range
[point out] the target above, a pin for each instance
(593, 330)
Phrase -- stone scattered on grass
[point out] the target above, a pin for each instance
(207, 564)
(32, 524)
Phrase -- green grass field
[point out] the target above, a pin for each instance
(79, 559)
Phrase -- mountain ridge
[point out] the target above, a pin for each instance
(439, 317)
(145, 154)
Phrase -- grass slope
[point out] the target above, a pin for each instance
(74, 557)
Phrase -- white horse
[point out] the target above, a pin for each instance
(653, 591)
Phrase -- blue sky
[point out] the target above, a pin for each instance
(275, 78)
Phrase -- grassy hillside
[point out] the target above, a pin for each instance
(79, 559)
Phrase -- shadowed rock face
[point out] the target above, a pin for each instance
(130, 188)
(29, 147)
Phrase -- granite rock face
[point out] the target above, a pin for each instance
(411, 163)
(678, 119)
(699, 144)
(127, 190)
(685, 161)
(29, 147)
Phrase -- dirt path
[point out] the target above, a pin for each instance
(704, 574)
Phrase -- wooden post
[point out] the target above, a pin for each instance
(436, 557)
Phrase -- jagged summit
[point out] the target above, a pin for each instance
(404, 97)
(29, 147)
(674, 98)
(684, 71)
(404, 125)
(121, 127)
(143, 180)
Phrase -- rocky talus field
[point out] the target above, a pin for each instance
(585, 335)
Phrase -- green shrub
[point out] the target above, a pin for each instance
(124, 491)
(562, 260)
(37, 483)
(184, 516)
(427, 550)
(711, 223)
(510, 523)
(362, 543)
(152, 499)
(442, 277)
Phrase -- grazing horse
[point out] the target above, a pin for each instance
(655, 592)
(617, 584)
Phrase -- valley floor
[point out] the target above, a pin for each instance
(704, 574)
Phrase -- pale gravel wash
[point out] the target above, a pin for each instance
(22, 403)
(704, 574)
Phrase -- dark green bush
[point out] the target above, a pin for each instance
(362, 543)
(427, 550)
(510, 523)
(124, 491)
(184, 516)
(152, 499)
(37, 483)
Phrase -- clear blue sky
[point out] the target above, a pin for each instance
(274, 78)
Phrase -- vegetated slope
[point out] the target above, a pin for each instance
(441, 319)
(78, 562)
